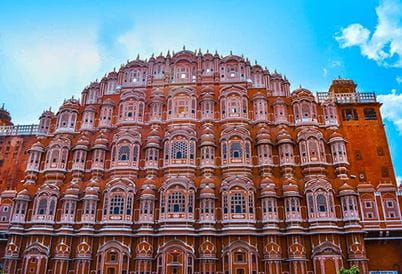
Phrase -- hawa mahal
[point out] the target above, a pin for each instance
(197, 163)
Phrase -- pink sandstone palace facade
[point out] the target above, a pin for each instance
(197, 163)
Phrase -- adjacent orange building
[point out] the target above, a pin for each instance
(198, 163)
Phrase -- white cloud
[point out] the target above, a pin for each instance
(398, 79)
(392, 108)
(353, 35)
(384, 45)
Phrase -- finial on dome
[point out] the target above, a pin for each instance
(255, 61)
(184, 47)
(231, 53)
(300, 86)
(114, 69)
(2, 106)
(207, 50)
(138, 57)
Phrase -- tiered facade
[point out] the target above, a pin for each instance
(197, 163)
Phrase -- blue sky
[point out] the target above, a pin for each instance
(49, 50)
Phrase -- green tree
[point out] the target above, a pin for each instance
(353, 270)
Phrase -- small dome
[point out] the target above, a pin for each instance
(284, 137)
(71, 103)
(82, 143)
(346, 189)
(101, 140)
(336, 136)
(207, 192)
(268, 190)
(263, 136)
(267, 181)
(24, 194)
(148, 191)
(73, 190)
(46, 113)
(207, 181)
(92, 189)
(37, 147)
(302, 92)
(290, 189)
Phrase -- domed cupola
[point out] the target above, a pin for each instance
(33, 165)
(67, 116)
(20, 207)
(147, 204)
(339, 154)
(80, 152)
(264, 150)
(263, 136)
(45, 121)
(152, 151)
(98, 155)
(207, 201)
(156, 106)
(207, 104)
(304, 107)
(286, 153)
(292, 202)
(208, 149)
(70, 200)
(260, 106)
(269, 203)
(349, 203)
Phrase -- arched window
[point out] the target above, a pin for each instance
(66, 120)
(236, 150)
(42, 206)
(292, 209)
(118, 201)
(116, 205)
(238, 203)
(124, 153)
(269, 209)
(182, 105)
(57, 154)
(311, 145)
(176, 202)
(179, 150)
(239, 151)
(321, 203)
